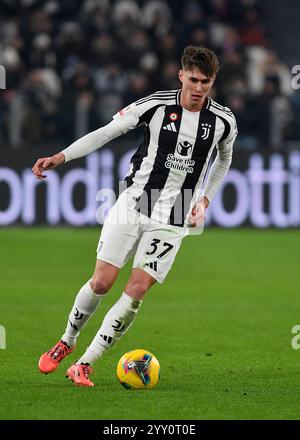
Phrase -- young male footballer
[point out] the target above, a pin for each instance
(160, 206)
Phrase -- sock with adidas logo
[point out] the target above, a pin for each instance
(115, 324)
(86, 302)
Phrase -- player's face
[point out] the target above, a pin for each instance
(195, 88)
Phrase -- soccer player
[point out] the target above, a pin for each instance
(160, 206)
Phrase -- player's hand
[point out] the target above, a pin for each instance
(197, 215)
(47, 163)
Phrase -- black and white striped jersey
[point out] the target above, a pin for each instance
(168, 169)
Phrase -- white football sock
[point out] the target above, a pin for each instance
(86, 302)
(116, 322)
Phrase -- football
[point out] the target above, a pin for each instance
(138, 369)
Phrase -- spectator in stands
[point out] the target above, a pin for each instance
(273, 114)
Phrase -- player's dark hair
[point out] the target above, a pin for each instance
(201, 58)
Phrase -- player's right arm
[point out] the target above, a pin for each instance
(47, 163)
(123, 121)
(83, 146)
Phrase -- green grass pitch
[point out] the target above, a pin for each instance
(220, 326)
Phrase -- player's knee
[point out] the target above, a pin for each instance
(139, 287)
(100, 285)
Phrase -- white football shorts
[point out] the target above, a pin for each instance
(127, 233)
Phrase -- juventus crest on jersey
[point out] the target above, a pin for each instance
(168, 169)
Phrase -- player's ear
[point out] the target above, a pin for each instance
(181, 75)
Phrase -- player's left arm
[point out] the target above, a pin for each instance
(197, 215)
(217, 173)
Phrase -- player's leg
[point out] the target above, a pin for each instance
(88, 299)
(155, 254)
(86, 303)
(138, 284)
(120, 317)
(153, 260)
(118, 237)
(115, 247)
(115, 324)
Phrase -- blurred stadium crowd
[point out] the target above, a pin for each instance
(71, 64)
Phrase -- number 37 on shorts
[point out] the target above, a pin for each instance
(157, 251)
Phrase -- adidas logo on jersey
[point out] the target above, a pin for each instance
(170, 127)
